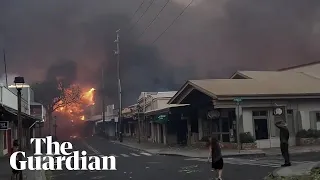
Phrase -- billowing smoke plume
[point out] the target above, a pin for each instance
(212, 39)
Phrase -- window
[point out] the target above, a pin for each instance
(259, 113)
(289, 112)
(290, 121)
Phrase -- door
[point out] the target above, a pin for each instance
(261, 129)
(9, 141)
(161, 133)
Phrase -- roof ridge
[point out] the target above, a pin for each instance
(299, 66)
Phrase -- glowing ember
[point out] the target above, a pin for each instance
(76, 110)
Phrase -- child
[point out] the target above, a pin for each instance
(215, 153)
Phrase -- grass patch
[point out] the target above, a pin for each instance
(48, 175)
(314, 175)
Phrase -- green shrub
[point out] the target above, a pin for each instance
(246, 137)
(311, 133)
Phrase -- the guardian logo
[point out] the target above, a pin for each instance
(59, 159)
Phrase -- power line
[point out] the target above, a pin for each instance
(143, 14)
(138, 9)
(154, 19)
(173, 22)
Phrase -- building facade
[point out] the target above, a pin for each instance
(161, 122)
(248, 99)
(8, 114)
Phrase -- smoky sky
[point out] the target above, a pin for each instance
(212, 39)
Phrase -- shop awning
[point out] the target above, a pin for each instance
(11, 115)
(165, 109)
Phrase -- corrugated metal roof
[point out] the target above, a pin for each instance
(262, 84)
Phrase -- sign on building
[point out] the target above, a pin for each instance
(4, 125)
(162, 119)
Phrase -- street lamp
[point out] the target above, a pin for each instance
(19, 82)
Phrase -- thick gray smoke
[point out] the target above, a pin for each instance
(9, 78)
(212, 39)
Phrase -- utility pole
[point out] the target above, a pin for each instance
(139, 126)
(5, 66)
(103, 103)
(117, 53)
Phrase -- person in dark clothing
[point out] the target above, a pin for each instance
(216, 155)
(284, 141)
(15, 173)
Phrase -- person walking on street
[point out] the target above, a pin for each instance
(15, 173)
(216, 155)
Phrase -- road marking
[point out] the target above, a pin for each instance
(124, 155)
(134, 154)
(146, 154)
(91, 148)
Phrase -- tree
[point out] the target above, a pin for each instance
(54, 94)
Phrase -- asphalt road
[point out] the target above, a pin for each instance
(135, 164)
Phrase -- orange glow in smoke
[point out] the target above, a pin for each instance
(76, 110)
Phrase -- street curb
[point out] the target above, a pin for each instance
(225, 156)
(135, 148)
(294, 153)
(174, 155)
(180, 155)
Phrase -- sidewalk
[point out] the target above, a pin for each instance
(296, 170)
(5, 172)
(203, 152)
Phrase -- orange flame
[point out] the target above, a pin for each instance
(88, 96)
(76, 110)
